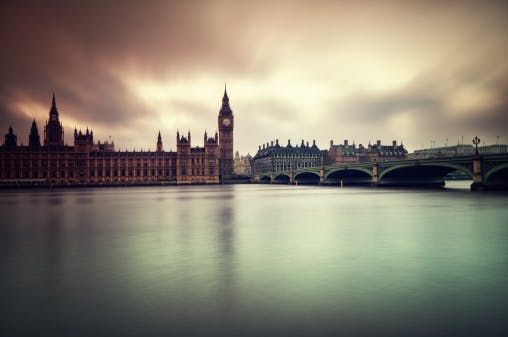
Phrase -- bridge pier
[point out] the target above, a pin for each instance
(478, 178)
(322, 176)
(375, 176)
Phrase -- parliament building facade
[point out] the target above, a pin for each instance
(53, 163)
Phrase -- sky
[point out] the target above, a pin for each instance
(429, 73)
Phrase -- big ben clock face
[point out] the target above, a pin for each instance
(226, 122)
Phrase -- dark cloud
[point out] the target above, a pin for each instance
(91, 53)
(77, 49)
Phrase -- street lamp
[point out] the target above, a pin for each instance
(476, 141)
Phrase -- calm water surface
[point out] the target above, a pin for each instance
(263, 260)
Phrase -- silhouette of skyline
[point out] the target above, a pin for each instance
(421, 73)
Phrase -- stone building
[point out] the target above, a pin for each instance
(242, 165)
(87, 162)
(347, 153)
(226, 123)
(275, 158)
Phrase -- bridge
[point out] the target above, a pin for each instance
(486, 171)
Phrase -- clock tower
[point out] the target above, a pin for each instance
(226, 120)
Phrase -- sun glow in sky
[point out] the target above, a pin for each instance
(406, 71)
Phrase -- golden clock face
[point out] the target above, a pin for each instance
(226, 122)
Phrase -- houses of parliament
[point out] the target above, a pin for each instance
(89, 163)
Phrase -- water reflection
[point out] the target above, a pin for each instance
(226, 246)
(258, 260)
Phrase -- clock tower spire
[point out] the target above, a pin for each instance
(53, 131)
(225, 139)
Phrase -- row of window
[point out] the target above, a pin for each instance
(99, 163)
(284, 163)
(35, 172)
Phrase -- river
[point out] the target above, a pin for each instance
(256, 260)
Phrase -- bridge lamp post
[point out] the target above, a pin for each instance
(476, 141)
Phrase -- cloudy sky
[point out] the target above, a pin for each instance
(417, 72)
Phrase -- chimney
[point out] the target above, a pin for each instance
(271, 143)
(345, 142)
(378, 143)
(331, 143)
(394, 143)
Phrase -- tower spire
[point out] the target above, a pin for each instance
(159, 142)
(225, 98)
(53, 111)
(225, 109)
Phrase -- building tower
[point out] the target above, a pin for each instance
(34, 141)
(159, 142)
(226, 120)
(83, 142)
(183, 159)
(53, 131)
(11, 141)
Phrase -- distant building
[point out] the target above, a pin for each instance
(242, 165)
(444, 151)
(98, 163)
(347, 153)
(457, 150)
(494, 148)
(273, 157)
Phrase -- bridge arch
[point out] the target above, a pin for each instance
(281, 179)
(426, 174)
(349, 176)
(307, 178)
(498, 175)
(265, 179)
